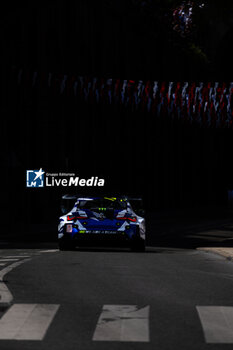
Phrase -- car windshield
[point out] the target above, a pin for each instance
(113, 203)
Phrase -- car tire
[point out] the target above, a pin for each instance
(65, 245)
(138, 245)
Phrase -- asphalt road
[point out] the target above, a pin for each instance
(165, 298)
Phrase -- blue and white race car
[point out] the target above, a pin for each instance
(101, 220)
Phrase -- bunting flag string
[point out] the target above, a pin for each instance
(208, 104)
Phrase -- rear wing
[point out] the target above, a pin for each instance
(67, 203)
(137, 205)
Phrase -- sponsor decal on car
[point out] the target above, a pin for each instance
(103, 231)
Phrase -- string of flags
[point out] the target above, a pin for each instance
(208, 104)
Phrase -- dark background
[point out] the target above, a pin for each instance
(170, 164)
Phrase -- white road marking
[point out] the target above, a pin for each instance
(125, 323)
(217, 323)
(49, 251)
(5, 295)
(3, 264)
(6, 259)
(10, 267)
(27, 321)
(15, 256)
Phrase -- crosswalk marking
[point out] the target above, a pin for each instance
(27, 321)
(3, 264)
(127, 323)
(217, 323)
(122, 323)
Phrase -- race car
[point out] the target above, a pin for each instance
(101, 221)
